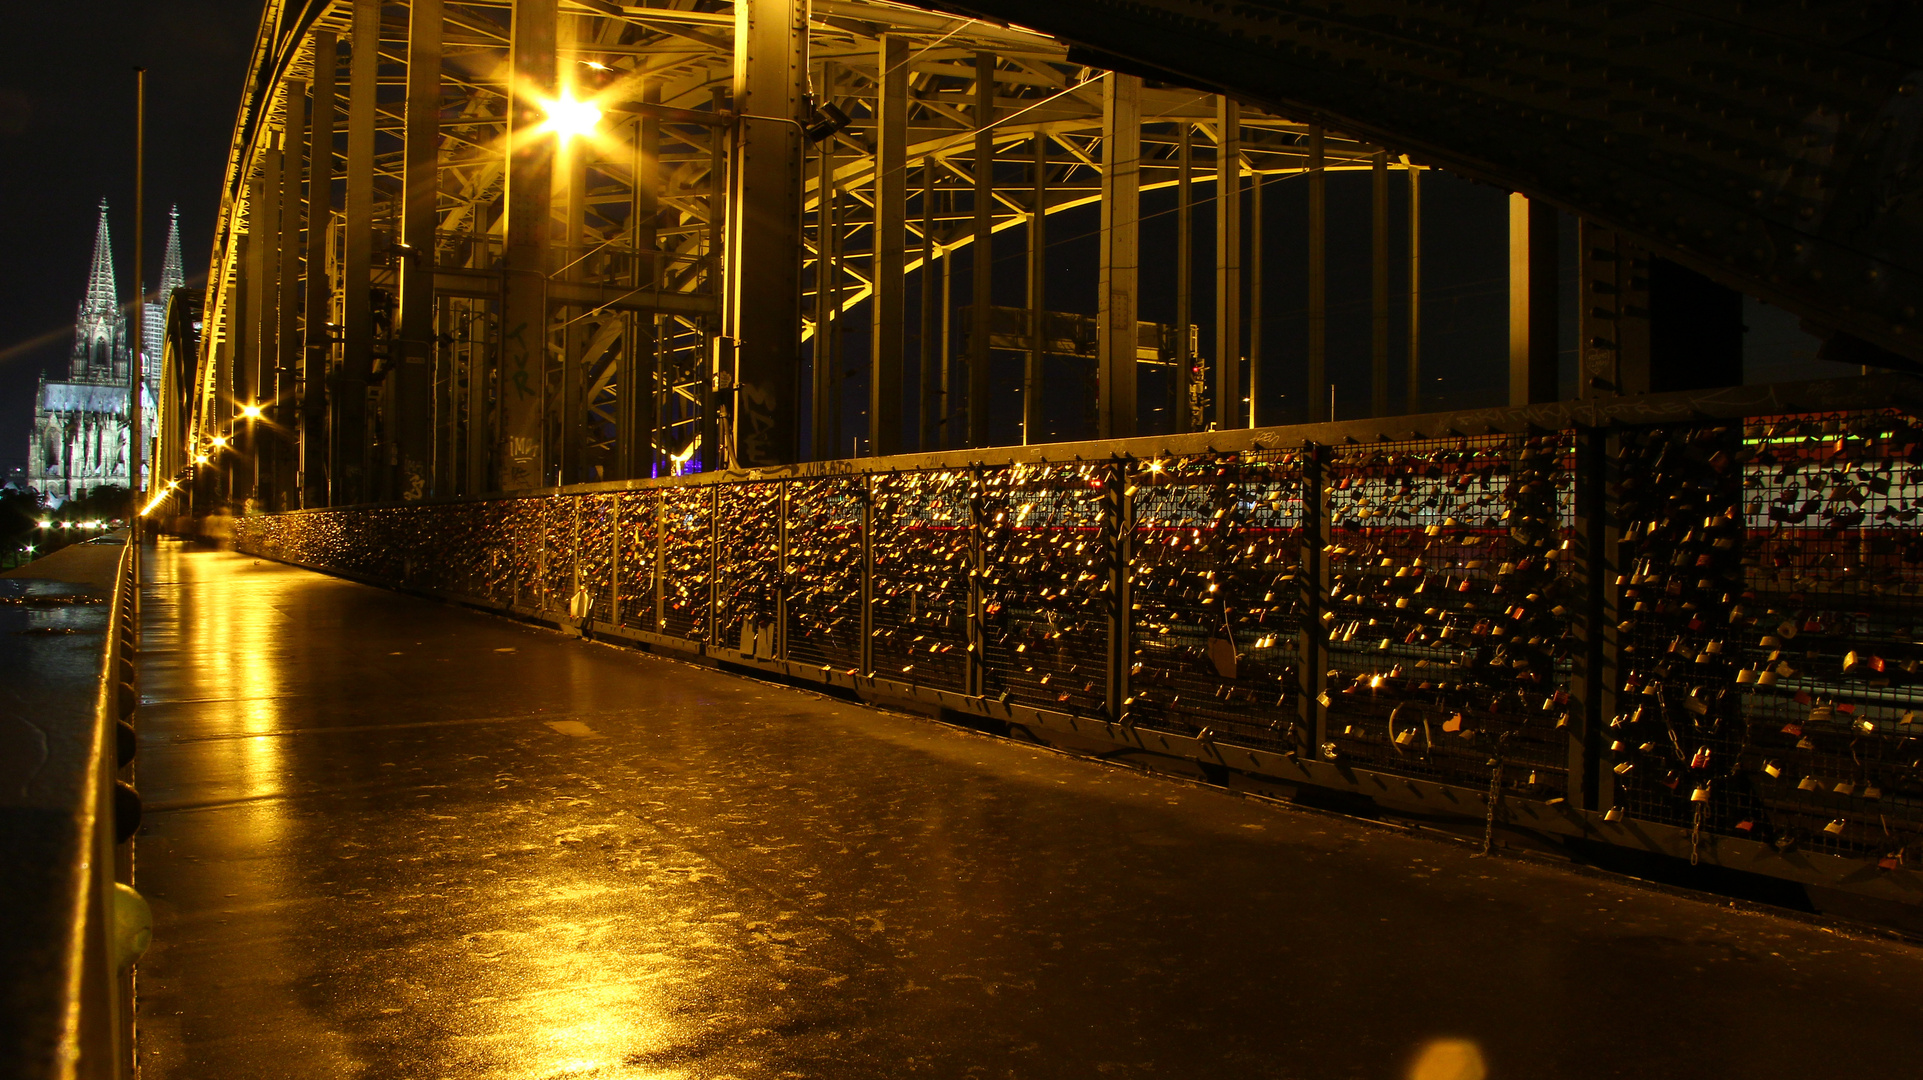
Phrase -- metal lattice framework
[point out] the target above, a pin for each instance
(370, 302)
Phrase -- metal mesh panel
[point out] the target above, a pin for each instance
(1829, 626)
(1215, 596)
(1678, 729)
(824, 572)
(748, 567)
(594, 552)
(637, 547)
(1048, 548)
(923, 551)
(557, 554)
(520, 551)
(686, 561)
(1447, 624)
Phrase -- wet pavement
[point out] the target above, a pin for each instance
(390, 838)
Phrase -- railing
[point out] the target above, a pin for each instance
(73, 931)
(1686, 623)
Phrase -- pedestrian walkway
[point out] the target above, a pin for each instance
(390, 838)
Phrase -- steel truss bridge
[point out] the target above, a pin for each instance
(492, 276)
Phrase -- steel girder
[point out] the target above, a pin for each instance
(1774, 146)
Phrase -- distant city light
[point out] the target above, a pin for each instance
(250, 412)
(46, 524)
(220, 440)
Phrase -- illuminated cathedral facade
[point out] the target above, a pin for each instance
(80, 431)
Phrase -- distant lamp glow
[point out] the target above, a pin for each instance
(219, 441)
(46, 524)
(200, 459)
(250, 412)
(569, 118)
(596, 65)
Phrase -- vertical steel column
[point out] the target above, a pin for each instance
(1321, 403)
(288, 338)
(763, 267)
(826, 398)
(1120, 287)
(243, 321)
(1614, 316)
(637, 408)
(1228, 265)
(946, 435)
(349, 467)
(1379, 285)
(1312, 648)
(707, 430)
(414, 349)
(317, 343)
(1256, 382)
(265, 211)
(567, 404)
(1184, 419)
(1413, 390)
(1532, 301)
(890, 246)
(929, 429)
(524, 255)
(982, 297)
(1032, 418)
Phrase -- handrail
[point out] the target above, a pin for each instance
(65, 816)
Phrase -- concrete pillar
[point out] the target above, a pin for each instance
(1229, 411)
(414, 347)
(524, 256)
(763, 311)
(317, 341)
(1532, 301)
(891, 238)
(264, 290)
(349, 420)
(1120, 288)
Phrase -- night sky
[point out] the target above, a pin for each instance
(66, 141)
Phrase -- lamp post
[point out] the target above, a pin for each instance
(135, 369)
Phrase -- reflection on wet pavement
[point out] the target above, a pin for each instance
(390, 838)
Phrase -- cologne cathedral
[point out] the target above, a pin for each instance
(80, 421)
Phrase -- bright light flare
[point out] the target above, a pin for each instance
(569, 118)
(250, 412)
(200, 459)
(46, 524)
(219, 441)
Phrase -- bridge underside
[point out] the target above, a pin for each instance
(481, 247)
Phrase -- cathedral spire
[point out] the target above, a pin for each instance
(97, 325)
(171, 275)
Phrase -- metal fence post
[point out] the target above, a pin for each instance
(1589, 621)
(866, 651)
(660, 560)
(1312, 667)
(614, 561)
(1608, 571)
(974, 681)
(1118, 522)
